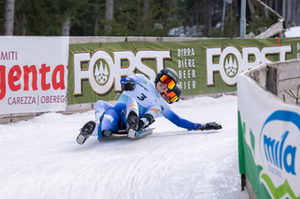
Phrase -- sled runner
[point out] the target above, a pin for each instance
(87, 129)
(137, 135)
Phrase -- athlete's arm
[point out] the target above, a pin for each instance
(178, 121)
(133, 78)
(175, 119)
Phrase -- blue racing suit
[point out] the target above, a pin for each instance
(145, 98)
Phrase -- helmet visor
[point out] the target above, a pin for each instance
(172, 95)
(167, 80)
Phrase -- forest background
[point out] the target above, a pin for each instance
(189, 18)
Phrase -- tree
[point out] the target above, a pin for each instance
(96, 23)
(109, 11)
(46, 17)
(8, 25)
(146, 11)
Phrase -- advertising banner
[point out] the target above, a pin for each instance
(204, 66)
(269, 141)
(33, 74)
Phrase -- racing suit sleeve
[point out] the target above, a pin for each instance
(121, 103)
(133, 78)
(178, 121)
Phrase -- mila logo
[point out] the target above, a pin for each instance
(277, 141)
(277, 155)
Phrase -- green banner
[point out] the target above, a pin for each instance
(203, 66)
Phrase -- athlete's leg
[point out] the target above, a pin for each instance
(91, 127)
(100, 108)
(108, 124)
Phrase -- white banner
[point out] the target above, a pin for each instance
(272, 133)
(33, 74)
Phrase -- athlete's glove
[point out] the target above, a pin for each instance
(129, 85)
(208, 126)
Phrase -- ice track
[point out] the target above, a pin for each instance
(41, 159)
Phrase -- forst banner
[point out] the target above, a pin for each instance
(33, 74)
(204, 66)
(268, 141)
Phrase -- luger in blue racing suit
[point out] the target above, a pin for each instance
(145, 98)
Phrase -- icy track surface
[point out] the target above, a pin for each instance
(41, 159)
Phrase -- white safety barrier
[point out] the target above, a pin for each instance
(269, 132)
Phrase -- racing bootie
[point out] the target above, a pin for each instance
(145, 121)
(132, 124)
(85, 132)
(104, 135)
